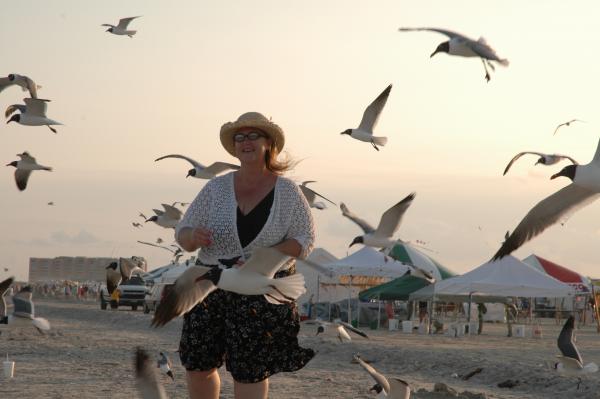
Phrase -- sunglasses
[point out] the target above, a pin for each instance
(252, 136)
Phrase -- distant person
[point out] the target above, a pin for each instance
(481, 310)
(511, 312)
(422, 311)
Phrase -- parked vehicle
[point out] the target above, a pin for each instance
(156, 294)
(132, 293)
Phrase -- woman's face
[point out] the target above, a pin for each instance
(251, 144)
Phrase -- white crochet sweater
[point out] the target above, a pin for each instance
(215, 209)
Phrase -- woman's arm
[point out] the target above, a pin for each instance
(290, 247)
(191, 232)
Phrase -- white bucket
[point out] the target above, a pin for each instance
(519, 330)
(407, 326)
(9, 369)
(393, 324)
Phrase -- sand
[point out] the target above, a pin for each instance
(89, 354)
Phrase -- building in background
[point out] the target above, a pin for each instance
(76, 268)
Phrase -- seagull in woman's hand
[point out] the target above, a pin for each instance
(25, 166)
(382, 237)
(465, 47)
(254, 277)
(544, 159)
(566, 124)
(200, 171)
(393, 388)
(311, 196)
(20, 80)
(121, 28)
(33, 113)
(583, 190)
(364, 132)
(147, 380)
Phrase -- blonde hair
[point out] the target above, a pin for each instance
(275, 165)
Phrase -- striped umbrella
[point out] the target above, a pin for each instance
(580, 284)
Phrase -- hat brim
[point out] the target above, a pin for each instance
(273, 130)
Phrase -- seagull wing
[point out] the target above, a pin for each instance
(265, 260)
(390, 220)
(189, 290)
(220, 167)
(172, 212)
(400, 389)
(147, 380)
(483, 49)
(574, 162)
(596, 159)
(350, 327)
(558, 127)
(128, 267)
(4, 83)
(36, 106)
(365, 226)
(123, 22)
(31, 86)
(519, 155)
(21, 178)
(310, 194)
(113, 278)
(26, 157)
(570, 363)
(4, 286)
(371, 114)
(112, 26)
(380, 379)
(565, 341)
(194, 163)
(448, 33)
(547, 212)
(14, 108)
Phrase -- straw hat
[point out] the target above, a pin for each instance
(251, 119)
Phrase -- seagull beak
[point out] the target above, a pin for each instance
(434, 53)
(554, 176)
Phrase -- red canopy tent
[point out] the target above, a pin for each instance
(579, 283)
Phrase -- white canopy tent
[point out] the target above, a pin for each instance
(367, 262)
(507, 277)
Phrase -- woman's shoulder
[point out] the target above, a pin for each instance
(218, 182)
(287, 183)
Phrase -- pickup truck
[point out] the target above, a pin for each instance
(132, 293)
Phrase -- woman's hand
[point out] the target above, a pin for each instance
(191, 239)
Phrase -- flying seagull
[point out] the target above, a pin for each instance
(167, 218)
(566, 124)
(20, 80)
(583, 190)
(138, 225)
(311, 196)
(175, 252)
(24, 167)
(364, 132)
(544, 159)
(382, 237)
(121, 28)
(339, 327)
(393, 388)
(33, 113)
(200, 171)
(146, 378)
(571, 362)
(121, 270)
(165, 365)
(51, 203)
(24, 311)
(254, 278)
(465, 47)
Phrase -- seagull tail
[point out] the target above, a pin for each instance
(590, 368)
(504, 62)
(287, 287)
(380, 140)
(44, 325)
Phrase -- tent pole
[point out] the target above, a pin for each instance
(596, 310)
(470, 300)
(349, 297)
(379, 311)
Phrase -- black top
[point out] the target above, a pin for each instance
(248, 226)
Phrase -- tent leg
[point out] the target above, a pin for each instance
(469, 316)
(379, 312)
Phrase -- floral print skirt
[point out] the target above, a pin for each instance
(254, 338)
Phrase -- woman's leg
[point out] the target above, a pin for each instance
(204, 384)
(257, 390)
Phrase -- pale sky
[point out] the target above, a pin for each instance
(313, 67)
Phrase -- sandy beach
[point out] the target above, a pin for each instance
(88, 354)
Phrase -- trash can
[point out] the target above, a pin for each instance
(407, 326)
(392, 324)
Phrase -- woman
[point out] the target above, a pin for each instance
(233, 214)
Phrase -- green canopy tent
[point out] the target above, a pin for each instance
(402, 287)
